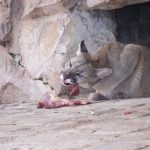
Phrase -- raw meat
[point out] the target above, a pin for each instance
(74, 90)
(49, 102)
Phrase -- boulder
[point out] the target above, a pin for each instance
(111, 4)
(16, 85)
(5, 23)
(38, 8)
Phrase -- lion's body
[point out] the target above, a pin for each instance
(130, 74)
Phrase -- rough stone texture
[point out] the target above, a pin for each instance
(111, 4)
(16, 85)
(111, 125)
(5, 24)
(68, 4)
(37, 8)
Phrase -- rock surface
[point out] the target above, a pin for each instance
(122, 125)
(16, 85)
(111, 4)
(5, 23)
(38, 8)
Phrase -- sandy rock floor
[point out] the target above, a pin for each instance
(109, 125)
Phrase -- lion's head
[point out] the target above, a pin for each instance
(80, 70)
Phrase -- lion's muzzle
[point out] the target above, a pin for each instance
(67, 80)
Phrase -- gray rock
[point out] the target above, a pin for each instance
(5, 23)
(111, 4)
(16, 85)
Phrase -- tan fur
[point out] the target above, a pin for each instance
(130, 66)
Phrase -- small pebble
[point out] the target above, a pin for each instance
(92, 113)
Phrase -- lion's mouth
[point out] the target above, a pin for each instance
(65, 83)
(73, 88)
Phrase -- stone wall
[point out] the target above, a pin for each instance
(111, 4)
(38, 36)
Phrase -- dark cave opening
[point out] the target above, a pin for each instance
(133, 24)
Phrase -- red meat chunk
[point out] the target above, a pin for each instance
(49, 103)
(74, 90)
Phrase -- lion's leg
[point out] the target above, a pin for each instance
(128, 63)
(129, 59)
(124, 68)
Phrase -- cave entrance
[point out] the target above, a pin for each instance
(133, 24)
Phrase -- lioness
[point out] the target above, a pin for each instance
(115, 71)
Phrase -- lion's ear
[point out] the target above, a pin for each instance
(82, 51)
(103, 72)
(81, 48)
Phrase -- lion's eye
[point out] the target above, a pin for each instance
(78, 74)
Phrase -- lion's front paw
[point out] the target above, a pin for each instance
(120, 95)
(96, 97)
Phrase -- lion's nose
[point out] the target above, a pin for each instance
(63, 76)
